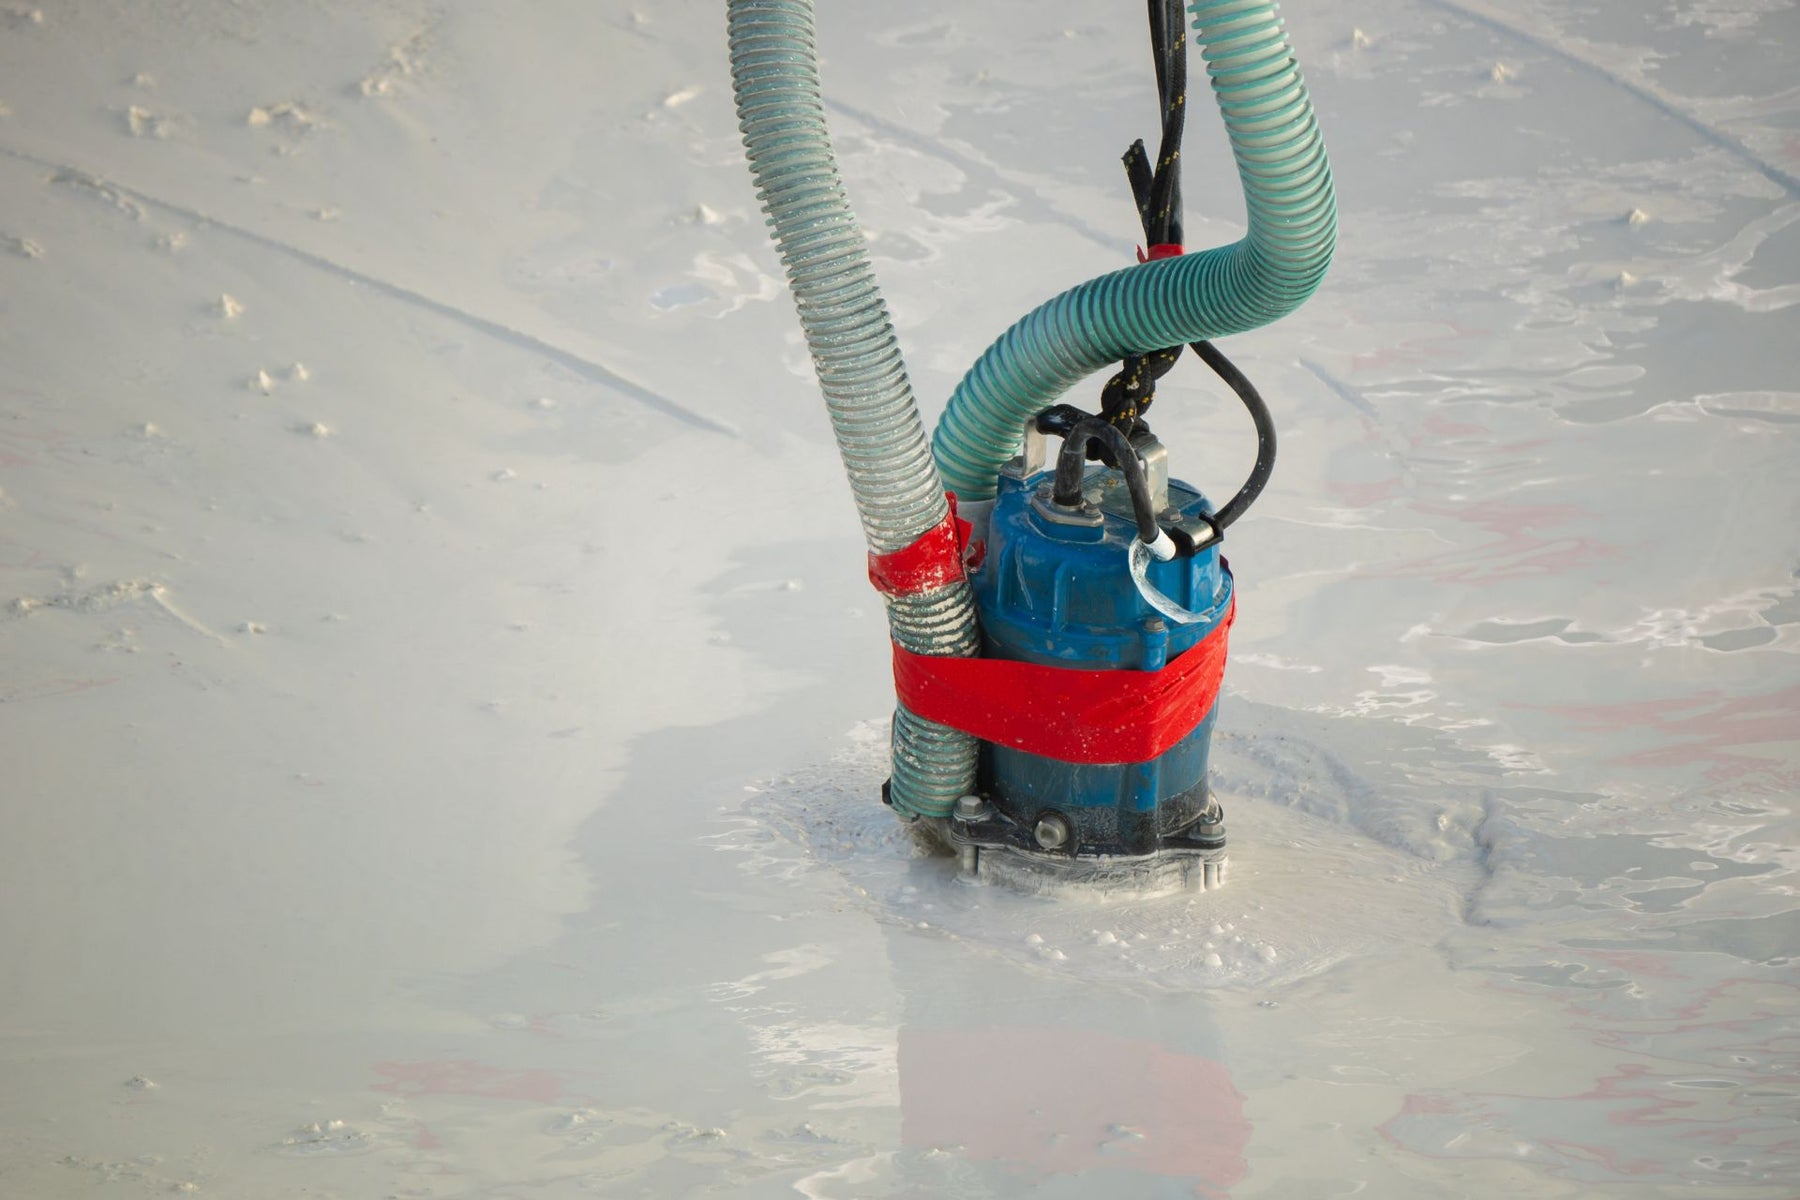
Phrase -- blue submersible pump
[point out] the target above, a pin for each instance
(1059, 623)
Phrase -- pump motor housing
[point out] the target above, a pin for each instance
(1054, 588)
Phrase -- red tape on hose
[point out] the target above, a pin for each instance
(1068, 714)
(934, 561)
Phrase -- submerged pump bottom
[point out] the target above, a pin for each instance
(1066, 581)
(988, 847)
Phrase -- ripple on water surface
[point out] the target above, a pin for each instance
(1325, 865)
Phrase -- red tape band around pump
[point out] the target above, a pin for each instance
(1069, 714)
(935, 560)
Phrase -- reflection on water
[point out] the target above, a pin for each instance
(1143, 1110)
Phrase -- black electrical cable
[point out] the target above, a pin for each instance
(1156, 191)
(1168, 47)
(1265, 433)
(1060, 420)
(1157, 194)
(1071, 465)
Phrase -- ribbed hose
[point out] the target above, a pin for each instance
(1229, 289)
(899, 495)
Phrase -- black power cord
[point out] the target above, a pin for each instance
(1265, 433)
(1156, 191)
(1071, 466)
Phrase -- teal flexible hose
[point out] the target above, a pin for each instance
(1228, 289)
(899, 494)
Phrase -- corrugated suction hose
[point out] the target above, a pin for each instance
(774, 73)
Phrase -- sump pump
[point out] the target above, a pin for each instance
(1059, 628)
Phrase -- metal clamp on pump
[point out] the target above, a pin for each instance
(1190, 535)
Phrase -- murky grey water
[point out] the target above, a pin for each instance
(393, 806)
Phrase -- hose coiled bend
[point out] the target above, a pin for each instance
(1280, 261)
(1228, 289)
(899, 496)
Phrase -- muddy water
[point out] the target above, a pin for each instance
(441, 706)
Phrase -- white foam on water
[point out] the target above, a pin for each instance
(1304, 893)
